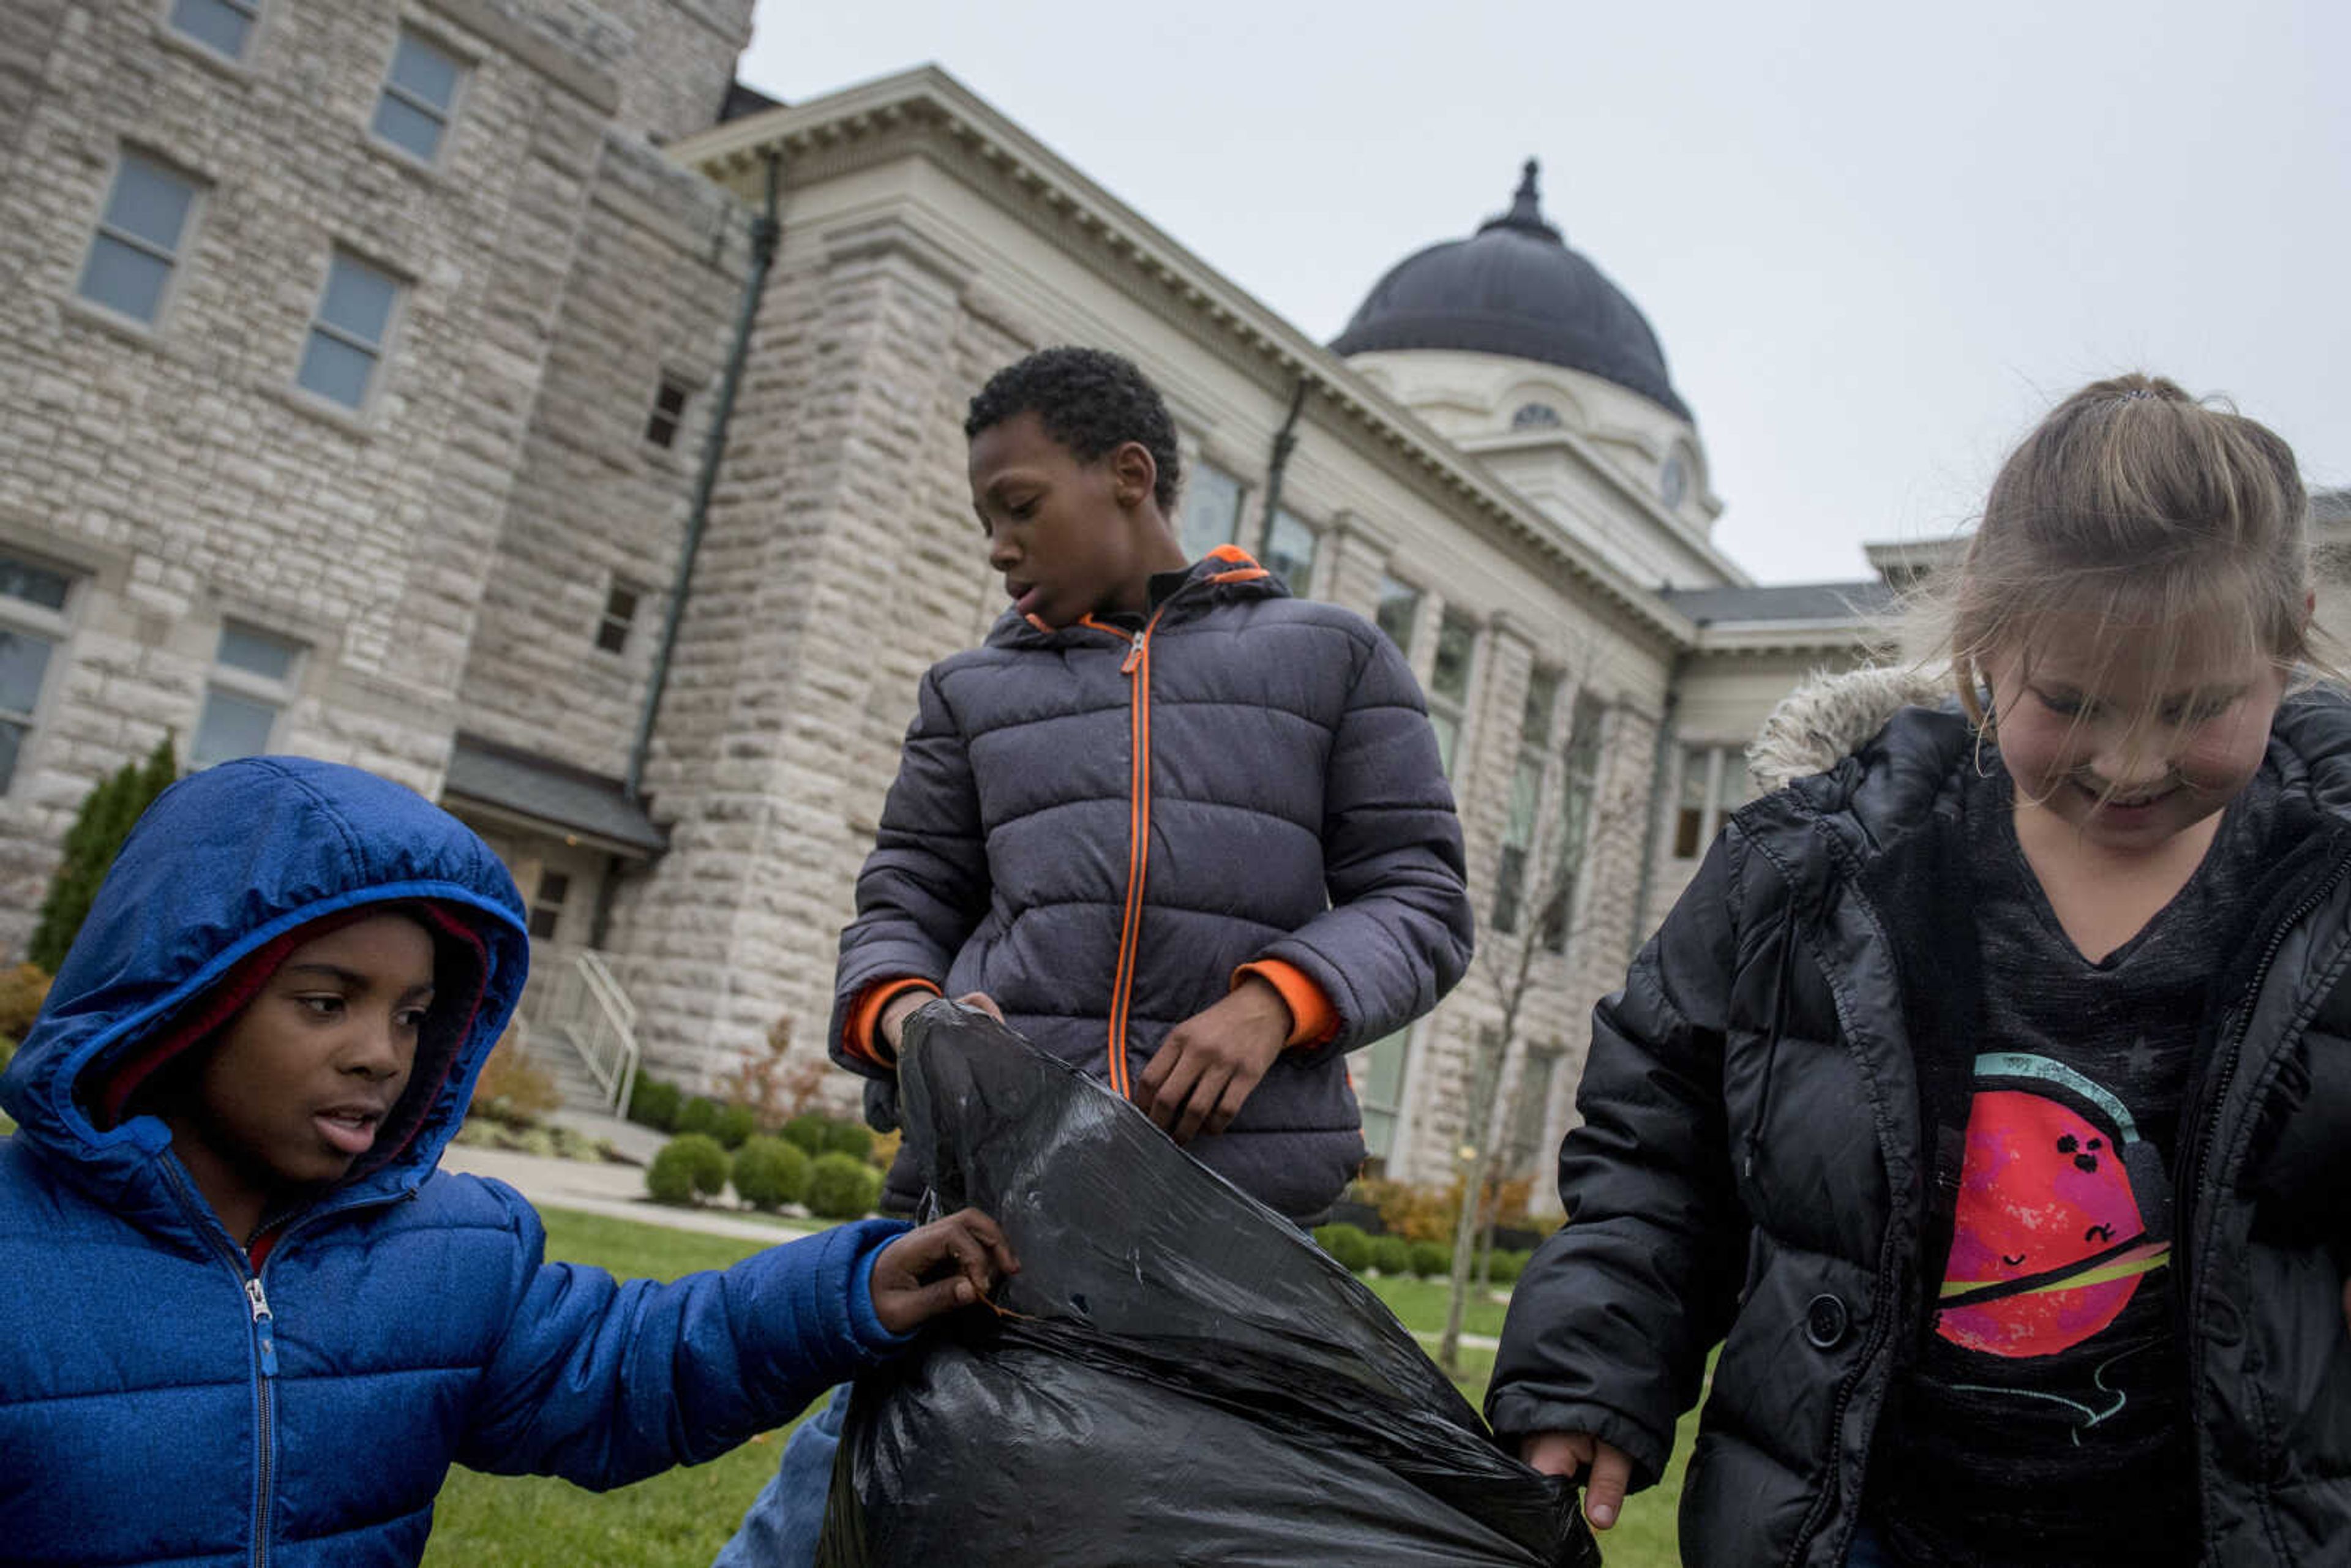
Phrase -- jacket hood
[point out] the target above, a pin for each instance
(1227, 572)
(223, 863)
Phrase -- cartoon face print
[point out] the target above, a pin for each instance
(2048, 1244)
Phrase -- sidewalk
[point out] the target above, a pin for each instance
(614, 1191)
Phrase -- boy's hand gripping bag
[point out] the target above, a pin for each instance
(1176, 1375)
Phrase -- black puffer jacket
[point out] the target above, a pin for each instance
(1784, 1078)
(1098, 829)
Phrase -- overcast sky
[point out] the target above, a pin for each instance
(1874, 245)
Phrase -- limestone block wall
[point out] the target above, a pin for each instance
(675, 57)
(652, 291)
(175, 469)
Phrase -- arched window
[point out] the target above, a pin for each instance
(1535, 416)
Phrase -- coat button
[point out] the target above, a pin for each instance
(1826, 1321)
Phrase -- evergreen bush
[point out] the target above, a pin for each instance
(107, 813)
(1505, 1267)
(1349, 1246)
(1432, 1259)
(770, 1172)
(843, 1186)
(699, 1115)
(656, 1104)
(849, 1138)
(736, 1123)
(690, 1167)
(1391, 1255)
(807, 1132)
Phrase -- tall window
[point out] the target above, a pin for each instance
(669, 413)
(1526, 798)
(1448, 681)
(1398, 609)
(547, 904)
(1579, 785)
(1212, 509)
(224, 26)
(1288, 551)
(1714, 785)
(420, 95)
(31, 623)
(252, 684)
(140, 237)
(620, 614)
(1379, 1091)
(1531, 1106)
(347, 335)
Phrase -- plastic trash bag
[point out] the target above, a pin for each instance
(1176, 1375)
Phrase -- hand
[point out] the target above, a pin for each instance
(1605, 1471)
(1205, 1069)
(937, 1267)
(904, 1006)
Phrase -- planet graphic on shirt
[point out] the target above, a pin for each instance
(2049, 1243)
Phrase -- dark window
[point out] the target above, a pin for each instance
(620, 614)
(669, 413)
(1398, 609)
(1534, 416)
(1212, 509)
(547, 905)
(1580, 782)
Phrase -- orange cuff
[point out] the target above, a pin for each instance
(862, 1037)
(1312, 1020)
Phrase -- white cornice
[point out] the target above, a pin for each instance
(1820, 634)
(929, 102)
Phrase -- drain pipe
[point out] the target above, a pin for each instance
(1284, 440)
(1647, 883)
(765, 232)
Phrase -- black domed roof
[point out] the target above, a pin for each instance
(1514, 287)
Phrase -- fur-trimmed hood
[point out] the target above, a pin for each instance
(1830, 717)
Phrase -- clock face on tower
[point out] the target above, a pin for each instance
(1673, 481)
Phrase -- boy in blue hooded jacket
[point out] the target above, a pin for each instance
(249, 1319)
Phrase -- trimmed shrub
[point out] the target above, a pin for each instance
(1348, 1245)
(806, 1132)
(770, 1172)
(1504, 1267)
(656, 1104)
(849, 1138)
(736, 1123)
(1432, 1259)
(843, 1186)
(689, 1168)
(700, 1116)
(1391, 1255)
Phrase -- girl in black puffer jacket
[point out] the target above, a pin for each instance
(1988, 1096)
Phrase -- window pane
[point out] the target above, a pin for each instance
(12, 741)
(1694, 775)
(407, 127)
(1510, 886)
(1289, 551)
(258, 652)
(336, 370)
(358, 301)
(1534, 1105)
(554, 887)
(621, 604)
(1457, 635)
(1447, 729)
(231, 726)
(420, 68)
(34, 584)
(1380, 1090)
(123, 278)
(150, 203)
(23, 661)
(1399, 607)
(1212, 502)
(1542, 698)
(1730, 790)
(221, 28)
(611, 635)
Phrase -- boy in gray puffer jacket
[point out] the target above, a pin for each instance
(1179, 827)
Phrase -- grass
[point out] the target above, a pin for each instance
(684, 1517)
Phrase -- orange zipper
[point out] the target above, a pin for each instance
(1137, 668)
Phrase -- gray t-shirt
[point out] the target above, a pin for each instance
(2046, 1420)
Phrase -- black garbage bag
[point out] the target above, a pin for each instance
(1177, 1375)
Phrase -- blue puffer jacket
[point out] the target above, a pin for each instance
(160, 1403)
(1097, 828)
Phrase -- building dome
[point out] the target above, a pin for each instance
(1514, 287)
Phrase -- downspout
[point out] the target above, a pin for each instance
(765, 232)
(1646, 882)
(1284, 440)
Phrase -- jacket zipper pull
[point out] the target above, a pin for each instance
(265, 1327)
(1136, 657)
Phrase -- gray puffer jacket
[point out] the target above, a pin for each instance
(1097, 828)
(1782, 1083)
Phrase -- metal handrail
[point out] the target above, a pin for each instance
(573, 995)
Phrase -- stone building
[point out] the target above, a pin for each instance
(483, 393)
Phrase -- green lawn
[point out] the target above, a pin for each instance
(684, 1517)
